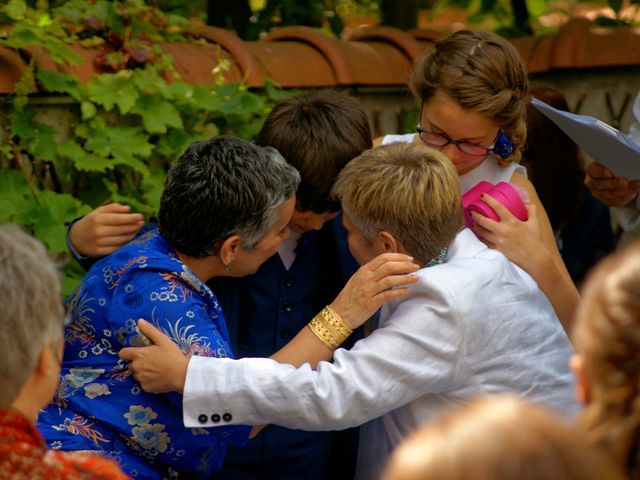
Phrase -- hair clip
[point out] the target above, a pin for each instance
(503, 146)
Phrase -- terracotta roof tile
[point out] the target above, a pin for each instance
(373, 56)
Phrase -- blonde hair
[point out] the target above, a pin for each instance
(483, 73)
(32, 313)
(410, 191)
(499, 438)
(607, 335)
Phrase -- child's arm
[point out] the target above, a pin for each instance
(104, 230)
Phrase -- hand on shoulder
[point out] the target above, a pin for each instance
(105, 229)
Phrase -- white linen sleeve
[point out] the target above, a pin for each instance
(416, 352)
(628, 216)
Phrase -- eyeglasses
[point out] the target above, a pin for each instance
(439, 141)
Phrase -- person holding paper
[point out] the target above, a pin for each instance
(581, 224)
(618, 192)
(473, 92)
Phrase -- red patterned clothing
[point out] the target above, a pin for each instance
(24, 455)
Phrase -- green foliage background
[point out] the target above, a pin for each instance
(127, 126)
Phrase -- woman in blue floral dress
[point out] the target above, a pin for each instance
(224, 209)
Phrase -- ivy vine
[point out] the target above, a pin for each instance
(112, 138)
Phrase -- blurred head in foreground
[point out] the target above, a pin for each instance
(499, 438)
(607, 364)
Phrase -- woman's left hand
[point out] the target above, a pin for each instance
(521, 242)
(159, 368)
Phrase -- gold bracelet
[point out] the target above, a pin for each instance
(330, 328)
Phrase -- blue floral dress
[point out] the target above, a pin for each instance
(98, 406)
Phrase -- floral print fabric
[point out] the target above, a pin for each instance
(98, 405)
(23, 454)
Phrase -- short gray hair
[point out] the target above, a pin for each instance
(289, 178)
(32, 312)
(221, 187)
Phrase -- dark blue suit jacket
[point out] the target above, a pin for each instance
(264, 311)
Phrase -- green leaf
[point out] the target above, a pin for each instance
(150, 83)
(174, 143)
(112, 188)
(6, 149)
(275, 93)
(44, 20)
(12, 183)
(81, 159)
(16, 208)
(59, 208)
(157, 114)
(123, 144)
(132, 162)
(39, 139)
(109, 90)
(22, 36)
(250, 102)
(88, 110)
(135, 204)
(59, 82)
(49, 218)
(228, 90)
(153, 186)
(16, 9)
(142, 29)
(61, 53)
(182, 91)
(44, 144)
(15, 198)
(21, 122)
(53, 236)
(536, 7)
(205, 98)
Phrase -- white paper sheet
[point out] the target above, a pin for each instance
(602, 142)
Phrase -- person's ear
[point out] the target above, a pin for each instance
(229, 249)
(582, 385)
(385, 242)
(48, 359)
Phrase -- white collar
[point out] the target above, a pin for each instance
(465, 245)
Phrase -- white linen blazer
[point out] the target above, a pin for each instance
(475, 325)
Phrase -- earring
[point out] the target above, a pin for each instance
(228, 267)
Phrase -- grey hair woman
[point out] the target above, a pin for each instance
(224, 210)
